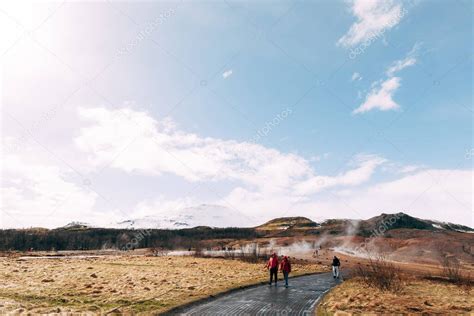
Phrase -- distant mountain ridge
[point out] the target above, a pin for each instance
(209, 224)
(210, 215)
(202, 215)
(400, 220)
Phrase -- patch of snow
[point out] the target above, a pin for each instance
(202, 215)
(450, 226)
(74, 224)
(464, 231)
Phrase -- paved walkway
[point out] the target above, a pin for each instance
(299, 299)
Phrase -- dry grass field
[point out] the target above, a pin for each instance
(119, 284)
(417, 297)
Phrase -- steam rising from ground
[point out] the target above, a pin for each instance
(347, 241)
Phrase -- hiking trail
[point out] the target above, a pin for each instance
(300, 298)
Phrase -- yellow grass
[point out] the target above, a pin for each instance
(122, 284)
(418, 296)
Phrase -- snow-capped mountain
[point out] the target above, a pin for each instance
(77, 225)
(202, 215)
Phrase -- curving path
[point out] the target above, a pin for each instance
(299, 299)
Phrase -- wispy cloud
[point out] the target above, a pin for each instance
(38, 192)
(414, 192)
(196, 159)
(356, 76)
(227, 74)
(263, 181)
(381, 95)
(373, 17)
(365, 168)
(399, 65)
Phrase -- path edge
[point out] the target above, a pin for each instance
(321, 298)
(180, 308)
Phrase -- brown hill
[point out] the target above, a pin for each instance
(288, 223)
(386, 222)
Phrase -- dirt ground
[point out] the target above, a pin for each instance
(124, 285)
(417, 297)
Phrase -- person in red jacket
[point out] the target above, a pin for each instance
(285, 267)
(272, 265)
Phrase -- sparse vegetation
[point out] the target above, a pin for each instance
(380, 273)
(453, 272)
(122, 284)
(158, 252)
(419, 297)
(255, 255)
(451, 269)
(251, 253)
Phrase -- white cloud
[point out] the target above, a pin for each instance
(258, 181)
(444, 195)
(399, 65)
(158, 149)
(432, 194)
(373, 18)
(408, 61)
(356, 76)
(363, 171)
(409, 168)
(163, 206)
(227, 74)
(265, 182)
(37, 192)
(381, 95)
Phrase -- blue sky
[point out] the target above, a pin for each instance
(114, 110)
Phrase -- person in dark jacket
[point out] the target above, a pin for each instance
(272, 265)
(285, 267)
(335, 267)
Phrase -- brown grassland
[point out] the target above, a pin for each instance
(417, 296)
(121, 284)
(423, 290)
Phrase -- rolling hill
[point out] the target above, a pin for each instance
(189, 227)
(288, 223)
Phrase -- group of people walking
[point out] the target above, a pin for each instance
(285, 267)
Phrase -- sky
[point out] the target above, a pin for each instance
(325, 109)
